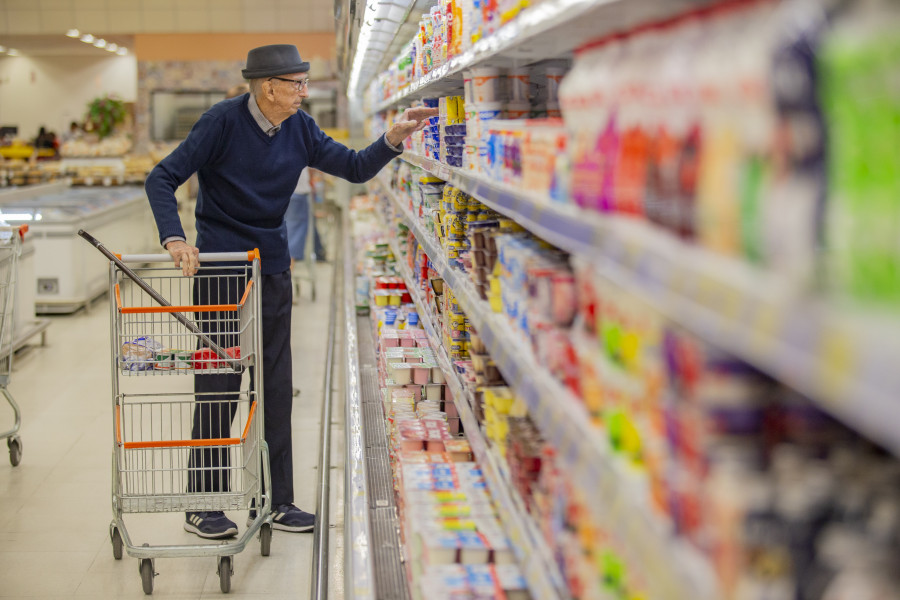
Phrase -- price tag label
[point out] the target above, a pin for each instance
(836, 362)
(732, 302)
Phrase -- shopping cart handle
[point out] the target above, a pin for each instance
(94, 241)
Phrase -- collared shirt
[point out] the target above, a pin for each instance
(260, 118)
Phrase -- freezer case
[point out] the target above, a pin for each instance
(68, 273)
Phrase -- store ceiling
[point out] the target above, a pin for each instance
(164, 16)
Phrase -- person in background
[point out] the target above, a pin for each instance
(75, 132)
(248, 152)
(45, 140)
(298, 217)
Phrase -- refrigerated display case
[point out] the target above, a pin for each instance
(67, 275)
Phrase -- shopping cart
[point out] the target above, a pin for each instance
(165, 326)
(10, 249)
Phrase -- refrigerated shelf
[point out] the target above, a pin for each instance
(678, 570)
(541, 573)
(549, 29)
(69, 273)
(839, 358)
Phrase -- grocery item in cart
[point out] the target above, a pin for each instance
(140, 354)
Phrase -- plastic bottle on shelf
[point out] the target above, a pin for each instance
(672, 180)
(754, 102)
(795, 204)
(718, 205)
(859, 66)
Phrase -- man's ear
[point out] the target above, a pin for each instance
(268, 89)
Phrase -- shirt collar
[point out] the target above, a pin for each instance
(260, 118)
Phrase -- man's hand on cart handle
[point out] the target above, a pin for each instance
(186, 257)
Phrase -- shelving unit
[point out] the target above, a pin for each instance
(835, 357)
(541, 573)
(678, 570)
(546, 30)
(822, 345)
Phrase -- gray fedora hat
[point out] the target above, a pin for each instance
(277, 59)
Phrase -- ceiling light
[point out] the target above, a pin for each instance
(101, 43)
(2, 49)
(111, 47)
(87, 38)
(73, 33)
(12, 52)
(122, 51)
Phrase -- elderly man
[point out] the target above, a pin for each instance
(248, 153)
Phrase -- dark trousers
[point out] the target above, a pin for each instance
(214, 413)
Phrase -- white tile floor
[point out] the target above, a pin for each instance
(55, 506)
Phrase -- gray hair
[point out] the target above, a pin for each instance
(256, 86)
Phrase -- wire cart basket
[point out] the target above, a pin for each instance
(176, 449)
(10, 250)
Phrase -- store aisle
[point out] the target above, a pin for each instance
(55, 507)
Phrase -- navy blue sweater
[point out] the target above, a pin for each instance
(247, 178)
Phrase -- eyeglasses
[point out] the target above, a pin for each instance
(298, 84)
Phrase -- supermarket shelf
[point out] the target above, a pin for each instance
(839, 358)
(541, 572)
(677, 570)
(549, 29)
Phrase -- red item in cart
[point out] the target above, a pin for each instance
(208, 359)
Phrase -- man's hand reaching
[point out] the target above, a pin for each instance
(412, 120)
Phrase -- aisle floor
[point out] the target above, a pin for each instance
(55, 506)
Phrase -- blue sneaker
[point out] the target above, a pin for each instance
(212, 525)
(288, 517)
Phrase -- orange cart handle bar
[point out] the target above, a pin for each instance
(248, 256)
(207, 341)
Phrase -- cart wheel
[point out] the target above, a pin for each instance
(265, 539)
(116, 543)
(15, 450)
(147, 575)
(225, 570)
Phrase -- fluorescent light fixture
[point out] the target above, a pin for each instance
(12, 52)
(362, 47)
(111, 47)
(101, 43)
(18, 216)
(122, 51)
(73, 33)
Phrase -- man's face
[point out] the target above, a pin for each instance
(288, 91)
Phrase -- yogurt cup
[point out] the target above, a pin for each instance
(485, 85)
